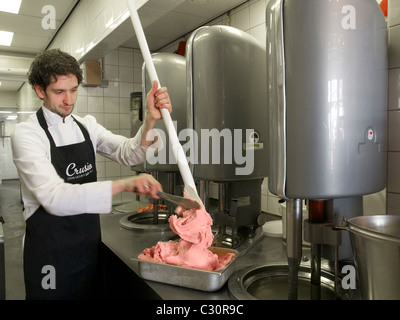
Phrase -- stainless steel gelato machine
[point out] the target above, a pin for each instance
(228, 118)
(327, 92)
(328, 95)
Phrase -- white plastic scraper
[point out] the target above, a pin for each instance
(189, 185)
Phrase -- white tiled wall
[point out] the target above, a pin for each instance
(393, 186)
(250, 18)
(111, 106)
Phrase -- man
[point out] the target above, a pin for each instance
(54, 152)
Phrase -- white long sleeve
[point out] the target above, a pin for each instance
(40, 183)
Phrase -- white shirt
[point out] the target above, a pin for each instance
(40, 183)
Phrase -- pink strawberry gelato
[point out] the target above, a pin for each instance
(192, 250)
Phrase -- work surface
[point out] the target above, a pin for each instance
(128, 244)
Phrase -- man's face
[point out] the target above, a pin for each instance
(60, 95)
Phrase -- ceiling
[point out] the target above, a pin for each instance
(29, 38)
(163, 20)
(181, 19)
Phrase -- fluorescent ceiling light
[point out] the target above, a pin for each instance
(11, 6)
(6, 38)
(7, 112)
(201, 2)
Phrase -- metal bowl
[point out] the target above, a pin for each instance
(376, 246)
(270, 282)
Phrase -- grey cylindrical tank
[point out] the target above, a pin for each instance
(227, 98)
(327, 80)
(171, 71)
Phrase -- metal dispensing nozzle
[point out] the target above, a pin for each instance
(316, 215)
(294, 218)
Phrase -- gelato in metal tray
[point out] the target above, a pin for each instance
(188, 277)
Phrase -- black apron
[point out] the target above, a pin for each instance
(67, 247)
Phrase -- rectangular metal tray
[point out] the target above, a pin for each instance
(188, 277)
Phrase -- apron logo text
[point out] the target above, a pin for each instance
(73, 171)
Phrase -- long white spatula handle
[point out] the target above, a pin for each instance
(175, 144)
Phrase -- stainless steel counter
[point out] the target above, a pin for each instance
(128, 244)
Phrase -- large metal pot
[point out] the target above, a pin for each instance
(376, 246)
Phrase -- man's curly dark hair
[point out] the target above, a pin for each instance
(52, 63)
